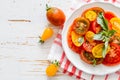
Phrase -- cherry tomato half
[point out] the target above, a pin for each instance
(115, 24)
(81, 25)
(89, 36)
(89, 58)
(71, 45)
(95, 27)
(97, 10)
(97, 50)
(77, 39)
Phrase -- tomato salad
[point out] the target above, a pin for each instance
(95, 36)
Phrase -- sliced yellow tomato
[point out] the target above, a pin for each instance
(97, 50)
(89, 36)
(115, 24)
(91, 15)
(77, 39)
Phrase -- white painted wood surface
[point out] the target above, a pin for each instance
(21, 56)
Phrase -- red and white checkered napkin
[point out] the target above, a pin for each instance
(57, 53)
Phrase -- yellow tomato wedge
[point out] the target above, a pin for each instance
(89, 36)
(97, 50)
(48, 32)
(77, 39)
(115, 24)
(91, 15)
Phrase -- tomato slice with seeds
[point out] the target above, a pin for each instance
(70, 42)
(81, 25)
(95, 27)
(113, 56)
(88, 46)
(97, 10)
(109, 15)
(89, 58)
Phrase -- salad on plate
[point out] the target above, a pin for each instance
(95, 36)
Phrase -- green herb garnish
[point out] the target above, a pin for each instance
(105, 34)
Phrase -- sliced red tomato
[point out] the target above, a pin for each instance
(71, 44)
(114, 45)
(87, 46)
(113, 56)
(89, 58)
(109, 15)
(81, 25)
(95, 27)
(109, 25)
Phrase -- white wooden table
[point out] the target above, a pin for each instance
(21, 23)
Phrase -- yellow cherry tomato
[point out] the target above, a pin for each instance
(91, 15)
(77, 39)
(115, 24)
(97, 50)
(89, 36)
(47, 33)
(51, 70)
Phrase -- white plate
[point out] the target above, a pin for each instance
(72, 56)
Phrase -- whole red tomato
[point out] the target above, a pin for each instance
(55, 16)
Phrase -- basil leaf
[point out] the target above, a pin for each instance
(98, 37)
(105, 49)
(111, 33)
(102, 21)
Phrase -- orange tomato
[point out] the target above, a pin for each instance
(48, 32)
(89, 36)
(55, 16)
(52, 69)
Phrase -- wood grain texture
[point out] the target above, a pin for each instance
(22, 57)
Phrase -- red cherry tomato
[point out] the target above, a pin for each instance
(95, 27)
(55, 16)
(113, 56)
